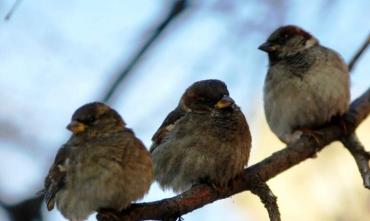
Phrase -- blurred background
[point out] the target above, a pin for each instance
(139, 56)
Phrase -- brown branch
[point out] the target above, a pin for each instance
(177, 8)
(358, 54)
(351, 142)
(267, 197)
(361, 156)
(278, 162)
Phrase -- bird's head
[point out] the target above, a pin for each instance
(286, 41)
(206, 95)
(93, 117)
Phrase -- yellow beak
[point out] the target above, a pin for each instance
(76, 127)
(224, 102)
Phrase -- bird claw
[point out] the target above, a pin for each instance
(296, 135)
(208, 182)
(213, 186)
(317, 136)
(292, 138)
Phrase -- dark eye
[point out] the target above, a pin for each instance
(90, 119)
(87, 120)
(283, 39)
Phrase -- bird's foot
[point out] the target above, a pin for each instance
(296, 135)
(317, 136)
(210, 183)
(293, 137)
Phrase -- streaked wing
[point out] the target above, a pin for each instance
(55, 179)
(166, 126)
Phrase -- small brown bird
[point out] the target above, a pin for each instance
(205, 139)
(306, 85)
(102, 165)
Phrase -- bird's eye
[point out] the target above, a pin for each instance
(283, 39)
(88, 120)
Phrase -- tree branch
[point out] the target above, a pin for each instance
(177, 8)
(26, 210)
(12, 10)
(358, 54)
(351, 142)
(361, 156)
(267, 197)
(278, 162)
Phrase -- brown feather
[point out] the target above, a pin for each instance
(55, 179)
(163, 130)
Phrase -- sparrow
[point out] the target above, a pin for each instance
(205, 139)
(306, 86)
(102, 165)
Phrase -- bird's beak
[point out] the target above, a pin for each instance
(76, 127)
(268, 47)
(224, 102)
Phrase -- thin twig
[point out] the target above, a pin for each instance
(351, 142)
(358, 54)
(267, 197)
(361, 157)
(11, 12)
(178, 7)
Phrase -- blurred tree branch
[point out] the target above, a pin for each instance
(26, 210)
(359, 53)
(177, 8)
(306, 147)
(12, 10)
